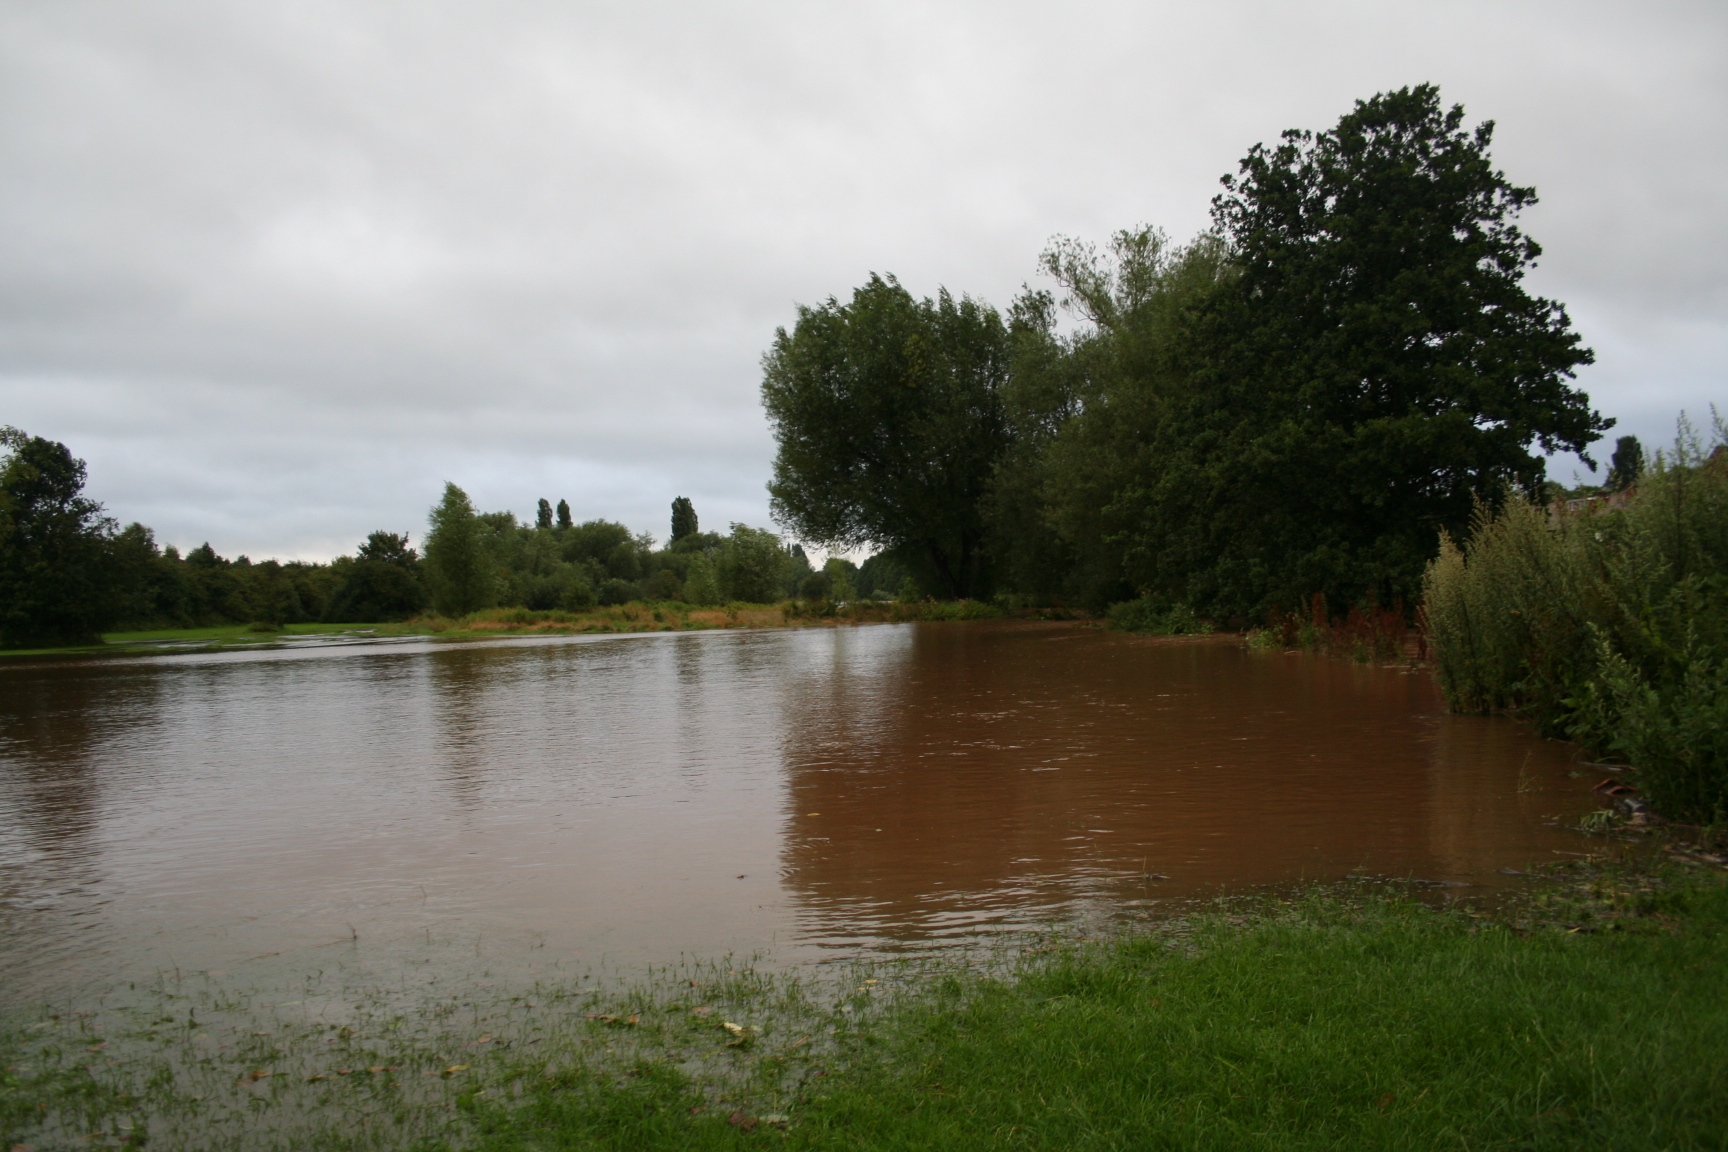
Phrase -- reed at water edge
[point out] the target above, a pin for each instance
(1607, 624)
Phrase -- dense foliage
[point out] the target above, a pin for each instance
(889, 415)
(1605, 621)
(1298, 402)
(57, 584)
(67, 574)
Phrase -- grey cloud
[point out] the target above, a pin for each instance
(278, 270)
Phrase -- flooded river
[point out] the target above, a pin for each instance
(518, 805)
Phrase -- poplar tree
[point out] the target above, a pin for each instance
(543, 514)
(683, 519)
(563, 513)
(1626, 465)
(458, 568)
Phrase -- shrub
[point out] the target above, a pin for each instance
(701, 586)
(615, 591)
(1149, 615)
(750, 565)
(1606, 623)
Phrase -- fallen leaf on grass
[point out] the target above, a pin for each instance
(315, 1077)
(455, 1068)
(1387, 1101)
(705, 1010)
(741, 1122)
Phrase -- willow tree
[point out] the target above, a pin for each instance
(889, 418)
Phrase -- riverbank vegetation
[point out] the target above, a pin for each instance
(1297, 402)
(68, 573)
(1583, 1011)
(1603, 621)
(634, 616)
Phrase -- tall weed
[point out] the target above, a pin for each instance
(1366, 633)
(1607, 625)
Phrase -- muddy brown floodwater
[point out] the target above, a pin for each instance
(516, 806)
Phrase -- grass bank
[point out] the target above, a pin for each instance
(1587, 1012)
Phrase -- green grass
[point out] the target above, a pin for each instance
(1399, 1030)
(1590, 1015)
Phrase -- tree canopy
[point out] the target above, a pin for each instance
(684, 521)
(889, 417)
(1373, 368)
(458, 562)
(1299, 401)
(58, 581)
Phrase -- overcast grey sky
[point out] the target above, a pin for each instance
(279, 269)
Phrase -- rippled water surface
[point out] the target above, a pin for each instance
(624, 800)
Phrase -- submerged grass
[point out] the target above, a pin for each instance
(1589, 1013)
(636, 616)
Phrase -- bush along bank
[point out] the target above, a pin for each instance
(1585, 1012)
(1605, 623)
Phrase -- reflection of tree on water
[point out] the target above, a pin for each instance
(461, 682)
(54, 722)
(58, 728)
(1012, 771)
(1472, 805)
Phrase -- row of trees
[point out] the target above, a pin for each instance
(1300, 400)
(477, 560)
(68, 572)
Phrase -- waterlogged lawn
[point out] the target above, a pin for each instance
(668, 616)
(1590, 1015)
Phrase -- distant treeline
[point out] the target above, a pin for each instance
(69, 573)
(1300, 401)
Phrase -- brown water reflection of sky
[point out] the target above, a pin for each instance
(536, 805)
